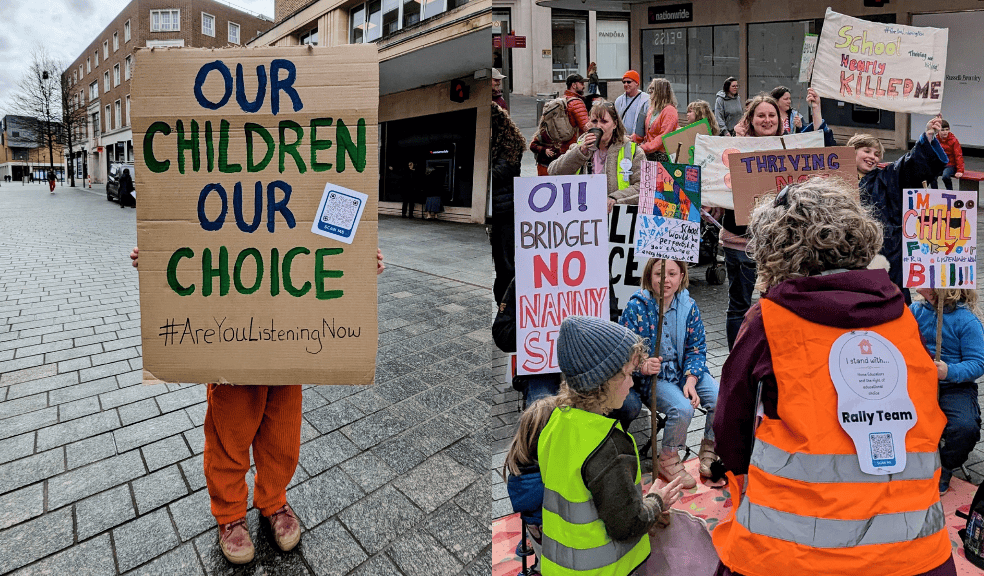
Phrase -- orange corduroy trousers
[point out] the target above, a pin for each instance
(268, 418)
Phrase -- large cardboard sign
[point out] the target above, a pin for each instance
(624, 265)
(711, 155)
(887, 66)
(682, 140)
(756, 174)
(241, 153)
(939, 239)
(561, 251)
(668, 222)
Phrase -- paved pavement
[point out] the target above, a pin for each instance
(713, 302)
(101, 475)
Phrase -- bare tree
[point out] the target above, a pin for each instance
(73, 119)
(39, 99)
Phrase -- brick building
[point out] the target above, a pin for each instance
(21, 151)
(100, 77)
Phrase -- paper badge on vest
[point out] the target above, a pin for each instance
(873, 404)
(625, 166)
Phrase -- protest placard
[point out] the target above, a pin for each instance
(624, 265)
(681, 142)
(887, 66)
(939, 239)
(561, 253)
(240, 154)
(808, 57)
(668, 222)
(711, 155)
(667, 238)
(756, 174)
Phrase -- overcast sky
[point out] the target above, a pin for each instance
(65, 27)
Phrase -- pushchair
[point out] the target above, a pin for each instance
(710, 249)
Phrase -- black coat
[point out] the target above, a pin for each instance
(126, 186)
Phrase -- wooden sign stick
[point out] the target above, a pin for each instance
(652, 390)
(939, 326)
(676, 157)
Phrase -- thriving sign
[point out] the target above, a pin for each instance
(254, 172)
(561, 251)
(939, 239)
(886, 66)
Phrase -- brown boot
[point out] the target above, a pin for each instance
(707, 457)
(235, 542)
(284, 527)
(670, 467)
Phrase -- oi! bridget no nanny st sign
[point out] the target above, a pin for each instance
(257, 214)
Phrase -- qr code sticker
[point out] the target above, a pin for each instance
(882, 449)
(340, 210)
(339, 213)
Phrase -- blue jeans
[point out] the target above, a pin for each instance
(537, 386)
(963, 423)
(741, 284)
(671, 402)
(948, 173)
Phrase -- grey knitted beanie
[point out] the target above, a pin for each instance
(591, 350)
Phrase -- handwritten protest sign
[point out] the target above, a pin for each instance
(808, 57)
(668, 238)
(668, 223)
(560, 261)
(887, 66)
(711, 155)
(756, 174)
(939, 239)
(238, 153)
(624, 265)
(683, 140)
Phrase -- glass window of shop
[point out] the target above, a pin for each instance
(569, 44)
(774, 52)
(613, 48)
(696, 60)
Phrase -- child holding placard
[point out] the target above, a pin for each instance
(961, 363)
(699, 110)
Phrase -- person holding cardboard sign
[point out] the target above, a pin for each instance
(268, 420)
(661, 118)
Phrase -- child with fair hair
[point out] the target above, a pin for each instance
(699, 110)
(961, 363)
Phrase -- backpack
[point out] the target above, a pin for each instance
(556, 122)
(504, 325)
(973, 534)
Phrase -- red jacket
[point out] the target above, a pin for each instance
(577, 113)
(953, 151)
(665, 122)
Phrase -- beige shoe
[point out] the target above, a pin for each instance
(670, 467)
(707, 457)
(235, 542)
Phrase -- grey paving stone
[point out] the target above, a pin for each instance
(142, 410)
(43, 348)
(186, 396)
(322, 496)
(21, 363)
(78, 429)
(134, 376)
(103, 511)
(420, 487)
(196, 439)
(105, 370)
(83, 390)
(22, 406)
(65, 334)
(192, 515)
(134, 547)
(435, 434)
(16, 447)
(368, 471)
(378, 565)
(21, 545)
(331, 551)
(81, 482)
(91, 557)
(380, 518)
(158, 488)
(36, 385)
(151, 430)
(197, 413)
(399, 454)
(167, 451)
(324, 452)
(20, 505)
(368, 401)
(129, 395)
(477, 498)
(27, 422)
(194, 471)
(78, 408)
(90, 450)
(332, 417)
(181, 561)
(418, 554)
(375, 428)
(71, 353)
(74, 364)
(482, 566)
(121, 343)
(333, 393)
(440, 398)
(459, 532)
(31, 469)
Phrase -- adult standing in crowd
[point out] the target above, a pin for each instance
(661, 118)
(792, 120)
(808, 506)
(125, 189)
(410, 188)
(497, 78)
(632, 103)
(728, 107)
(507, 156)
(593, 78)
(577, 113)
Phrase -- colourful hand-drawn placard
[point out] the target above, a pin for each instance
(939, 239)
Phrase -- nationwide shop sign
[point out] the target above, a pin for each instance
(257, 214)
(939, 239)
(561, 250)
(756, 174)
(887, 66)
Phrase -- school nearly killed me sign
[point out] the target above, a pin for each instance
(254, 173)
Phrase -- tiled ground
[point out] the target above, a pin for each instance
(101, 475)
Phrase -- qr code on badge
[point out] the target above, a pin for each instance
(340, 210)
(882, 448)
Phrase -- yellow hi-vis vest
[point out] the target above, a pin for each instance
(575, 541)
(628, 149)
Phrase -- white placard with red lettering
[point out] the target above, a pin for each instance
(561, 261)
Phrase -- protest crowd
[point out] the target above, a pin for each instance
(829, 471)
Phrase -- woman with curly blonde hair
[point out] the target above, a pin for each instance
(828, 342)
(508, 146)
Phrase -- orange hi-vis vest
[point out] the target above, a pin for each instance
(808, 508)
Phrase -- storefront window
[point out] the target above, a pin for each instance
(411, 12)
(696, 60)
(613, 48)
(391, 16)
(569, 45)
(774, 51)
